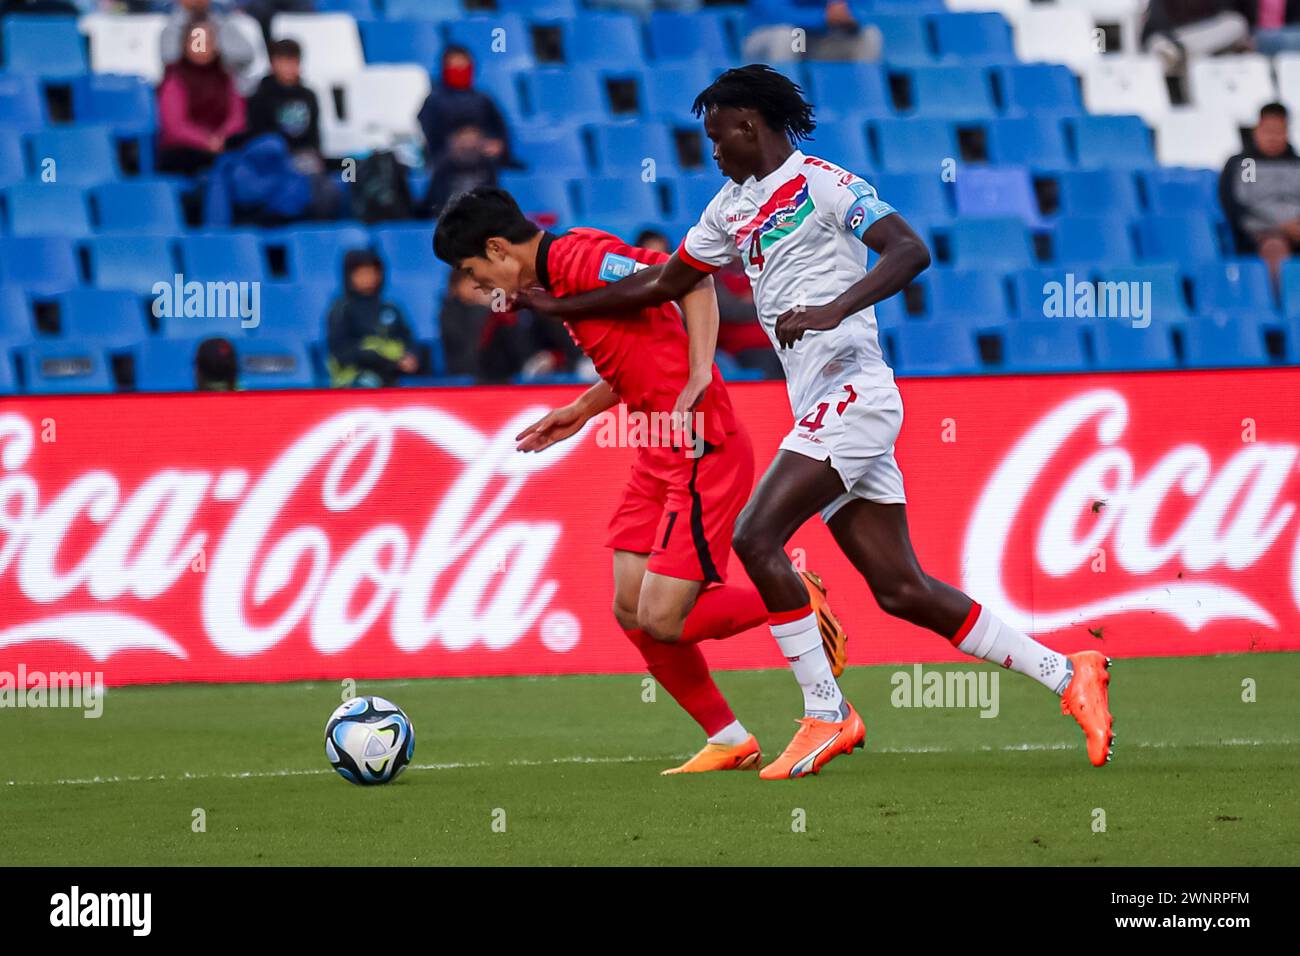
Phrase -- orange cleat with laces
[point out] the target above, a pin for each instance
(815, 744)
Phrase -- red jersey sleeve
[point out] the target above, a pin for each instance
(586, 259)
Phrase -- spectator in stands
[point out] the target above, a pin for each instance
(739, 333)
(1178, 30)
(652, 239)
(790, 30)
(454, 104)
(238, 54)
(465, 164)
(461, 324)
(1260, 192)
(198, 105)
(370, 343)
(283, 105)
(215, 366)
(264, 11)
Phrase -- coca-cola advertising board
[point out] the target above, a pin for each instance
(296, 535)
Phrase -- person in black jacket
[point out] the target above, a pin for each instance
(283, 105)
(370, 342)
(1259, 190)
(454, 104)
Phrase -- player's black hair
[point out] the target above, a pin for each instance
(1273, 109)
(469, 220)
(776, 97)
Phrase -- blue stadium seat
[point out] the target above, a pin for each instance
(1100, 239)
(360, 10)
(1229, 341)
(1001, 243)
(842, 144)
(669, 89)
(1032, 288)
(542, 9)
(1237, 285)
(478, 34)
(975, 298)
(689, 36)
(423, 9)
(1290, 291)
(1117, 345)
(1042, 345)
(421, 301)
(130, 261)
(1171, 192)
(935, 348)
(146, 205)
(563, 94)
(1034, 141)
(853, 90)
(540, 194)
(1040, 89)
(1168, 302)
(82, 155)
(904, 38)
(623, 147)
(914, 145)
(111, 319)
(12, 159)
(1112, 141)
(1084, 192)
(952, 93)
(295, 310)
(8, 380)
(15, 320)
(165, 365)
(45, 46)
(1187, 238)
(62, 368)
(22, 106)
(996, 191)
(617, 197)
(406, 249)
(973, 37)
(402, 41)
(602, 40)
(314, 255)
(690, 194)
(39, 263)
(47, 209)
(222, 257)
(122, 101)
(919, 195)
(551, 150)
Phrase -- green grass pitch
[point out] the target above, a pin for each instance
(570, 766)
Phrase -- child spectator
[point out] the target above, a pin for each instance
(370, 342)
(198, 106)
(215, 366)
(283, 105)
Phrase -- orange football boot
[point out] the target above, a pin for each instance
(814, 744)
(833, 637)
(744, 756)
(1087, 701)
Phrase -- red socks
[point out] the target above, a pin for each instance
(723, 610)
(682, 671)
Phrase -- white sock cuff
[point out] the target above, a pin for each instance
(982, 634)
(791, 628)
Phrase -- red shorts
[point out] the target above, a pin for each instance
(681, 511)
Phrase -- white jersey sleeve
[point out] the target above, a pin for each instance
(848, 200)
(707, 246)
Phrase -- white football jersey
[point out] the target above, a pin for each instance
(798, 231)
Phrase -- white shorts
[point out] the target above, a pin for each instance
(855, 427)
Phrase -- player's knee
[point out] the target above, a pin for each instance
(904, 596)
(749, 541)
(665, 627)
(626, 617)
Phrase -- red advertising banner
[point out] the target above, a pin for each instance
(296, 535)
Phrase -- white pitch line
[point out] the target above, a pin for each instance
(580, 759)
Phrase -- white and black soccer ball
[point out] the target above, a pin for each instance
(369, 740)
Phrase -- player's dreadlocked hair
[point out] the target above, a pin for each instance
(776, 97)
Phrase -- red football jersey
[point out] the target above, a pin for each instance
(643, 355)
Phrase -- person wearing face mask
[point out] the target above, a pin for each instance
(454, 104)
(199, 108)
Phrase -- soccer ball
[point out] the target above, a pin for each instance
(368, 740)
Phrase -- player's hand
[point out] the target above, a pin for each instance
(792, 325)
(554, 426)
(536, 299)
(690, 396)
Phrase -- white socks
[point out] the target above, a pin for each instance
(801, 643)
(1000, 643)
(732, 735)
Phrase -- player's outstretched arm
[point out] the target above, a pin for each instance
(651, 286)
(902, 257)
(567, 420)
(700, 307)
